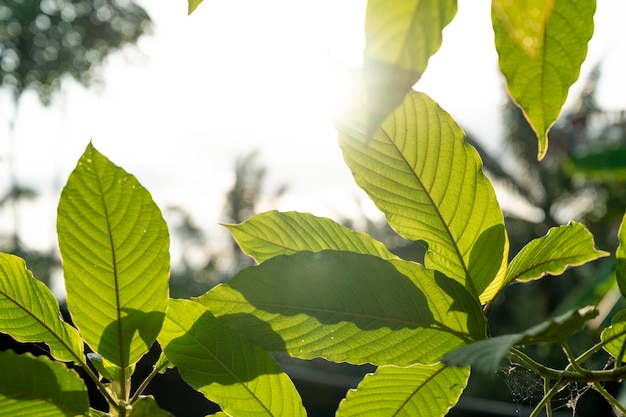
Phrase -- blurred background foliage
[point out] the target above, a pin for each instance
(582, 178)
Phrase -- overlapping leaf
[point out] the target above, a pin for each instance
(417, 390)
(30, 313)
(560, 248)
(401, 36)
(348, 307)
(115, 248)
(273, 233)
(615, 336)
(36, 386)
(428, 181)
(229, 370)
(486, 355)
(541, 46)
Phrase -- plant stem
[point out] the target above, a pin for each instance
(546, 391)
(144, 384)
(611, 399)
(573, 360)
(547, 397)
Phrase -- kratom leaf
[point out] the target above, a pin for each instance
(229, 370)
(29, 312)
(428, 181)
(615, 336)
(146, 406)
(620, 254)
(486, 355)
(37, 386)
(273, 233)
(348, 307)
(603, 166)
(107, 369)
(115, 248)
(401, 36)
(560, 248)
(541, 46)
(418, 390)
(193, 4)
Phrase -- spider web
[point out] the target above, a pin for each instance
(527, 389)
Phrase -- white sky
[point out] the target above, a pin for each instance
(246, 74)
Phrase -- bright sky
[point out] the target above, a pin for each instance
(246, 74)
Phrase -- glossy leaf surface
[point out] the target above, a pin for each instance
(115, 248)
(36, 386)
(561, 248)
(418, 390)
(273, 233)
(401, 36)
(486, 355)
(428, 181)
(348, 307)
(229, 370)
(29, 312)
(541, 46)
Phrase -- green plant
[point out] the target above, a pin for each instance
(320, 289)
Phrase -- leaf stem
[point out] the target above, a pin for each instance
(545, 401)
(145, 382)
(573, 360)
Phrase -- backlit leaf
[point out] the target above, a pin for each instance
(229, 370)
(486, 355)
(541, 46)
(428, 181)
(401, 36)
(273, 233)
(560, 248)
(615, 336)
(146, 406)
(193, 4)
(620, 254)
(36, 386)
(29, 312)
(348, 307)
(417, 390)
(115, 248)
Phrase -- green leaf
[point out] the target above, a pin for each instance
(146, 406)
(115, 248)
(541, 46)
(428, 181)
(36, 386)
(273, 233)
(620, 254)
(30, 313)
(229, 370)
(401, 36)
(614, 336)
(418, 390)
(607, 165)
(348, 307)
(193, 4)
(560, 248)
(107, 369)
(486, 355)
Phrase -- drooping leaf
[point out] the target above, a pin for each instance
(115, 248)
(37, 386)
(607, 165)
(428, 181)
(615, 336)
(620, 254)
(107, 369)
(229, 370)
(401, 36)
(273, 233)
(486, 355)
(146, 406)
(417, 390)
(348, 307)
(29, 312)
(561, 248)
(541, 46)
(193, 4)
